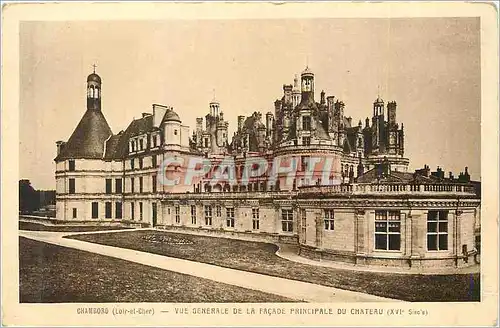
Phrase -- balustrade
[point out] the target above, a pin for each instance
(389, 188)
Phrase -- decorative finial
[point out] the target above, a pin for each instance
(94, 66)
(378, 91)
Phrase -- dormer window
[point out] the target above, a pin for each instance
(306, 123)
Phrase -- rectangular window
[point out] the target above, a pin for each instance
(304, 161)
(306, 123)
(74, 213)
(153, 160)
(208, 215)
(141, 163)
(153, 181)
(95, 210)
(388, 230)
(107, 210)
(118, 210)
(132, 164)
(155, 214)
(329, 220)
(141, 144)
(230, 217)
(218, 211)
(193, 214)
(437, 230)
(71, 164)
(132, 146)
(140, 211)
(132, 184)
(154, 141)
(108, 186)
(287, 220)
(118, 186)
(177, 214)
(141, 184)
(255, 219)
(132, 211)
(306, 141)
(71, 186)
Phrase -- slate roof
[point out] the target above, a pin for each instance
(140, 126)
(117, 145)
(307, 102)
(170, 115)
(94, 78)
(321, 132)
(376, 175)
(112, 146)
(250, 126)
(87, 140)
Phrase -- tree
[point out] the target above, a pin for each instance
(28, 198)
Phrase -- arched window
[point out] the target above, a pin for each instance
(96, 92)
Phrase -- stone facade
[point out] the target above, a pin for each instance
(377, 213)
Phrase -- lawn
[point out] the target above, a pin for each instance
(55, 274)
(23, 225)
(261, 258)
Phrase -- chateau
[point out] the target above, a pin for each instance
(304, 174)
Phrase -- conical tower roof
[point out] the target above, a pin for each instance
(87, 141)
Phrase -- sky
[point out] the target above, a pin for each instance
(429, 66)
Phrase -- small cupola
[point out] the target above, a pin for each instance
(94, 90)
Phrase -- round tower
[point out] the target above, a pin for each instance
(94, 91)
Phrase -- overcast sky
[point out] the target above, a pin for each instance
(429, 66)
